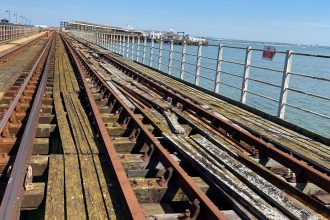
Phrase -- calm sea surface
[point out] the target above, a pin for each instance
(232, 82)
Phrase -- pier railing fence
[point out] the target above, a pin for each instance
(239, 74)
(10, 31)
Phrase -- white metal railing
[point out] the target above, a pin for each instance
(173, 62)
(11, 31)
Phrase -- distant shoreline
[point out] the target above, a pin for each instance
(265, 43)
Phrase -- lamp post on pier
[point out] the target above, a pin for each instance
(15, 14)
(8, 11)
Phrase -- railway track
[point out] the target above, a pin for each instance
(11, 52)
(227, 144)
(88, 135)
(21, 109)
(155, 178)
(17, 61)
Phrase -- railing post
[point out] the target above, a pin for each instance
(285, 84)
(138, 49)
(183, 59)
(218, 70)
(198, 63)
(111, 42)
(123, 45)
(170, 58)
(144, 50)
(151, 51)
(160, 53)
(132, 48)
(246, 74)
(107, 41)
(116, 43)
(121, 38)
(127, 48)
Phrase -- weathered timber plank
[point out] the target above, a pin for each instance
(75, 205)
(84, 123)
(93, 194)
(55, 189)
(104, 188)
(77, 130)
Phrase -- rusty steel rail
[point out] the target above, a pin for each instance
(11, 110)
(307, 172)
(12, 52)
(191, 190)
(131, 202)
(11, 202)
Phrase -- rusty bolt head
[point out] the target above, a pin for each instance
(161, 181)
(5, 133)
(287, 174)
(134, 183)
(144, 156)
(256, 154)
(187, 213)
(292, 178)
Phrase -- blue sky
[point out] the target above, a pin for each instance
(292, 21)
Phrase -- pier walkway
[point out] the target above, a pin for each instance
(86, 133)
